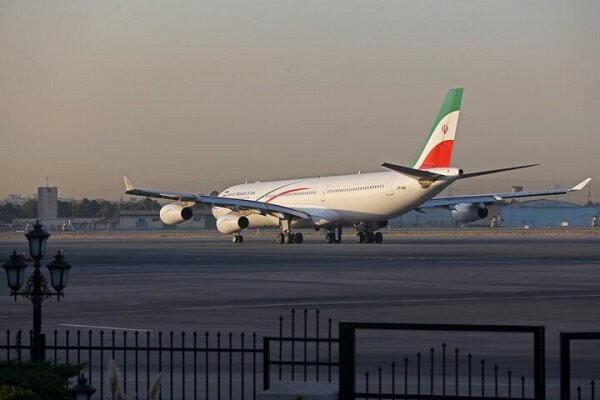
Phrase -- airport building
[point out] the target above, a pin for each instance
(529, 214)
(547, 214)
(150, 220)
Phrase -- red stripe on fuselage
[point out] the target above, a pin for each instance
(282, 193)
(439, 156)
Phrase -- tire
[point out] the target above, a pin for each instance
(330, 238)
(369, 237)
(280, 237)
(298, 238)
(360, 237)
(378, 237)
(288, 238)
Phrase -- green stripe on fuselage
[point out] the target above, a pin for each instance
(274, 190)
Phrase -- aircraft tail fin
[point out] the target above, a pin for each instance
(438, 149)
(128, 184)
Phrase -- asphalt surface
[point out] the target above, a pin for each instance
(210, 284)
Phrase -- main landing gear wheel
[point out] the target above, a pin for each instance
(289, 238)
(369, 237)
(280, 238)
(330, 237)
(360, 237)
(237, 238)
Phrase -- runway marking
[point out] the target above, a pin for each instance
(112, 328)
(359, 302)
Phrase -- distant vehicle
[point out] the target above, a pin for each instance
(363, 201)
(68, 226)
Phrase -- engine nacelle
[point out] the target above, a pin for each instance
(469, 212)
(172, 214)
(231, 223)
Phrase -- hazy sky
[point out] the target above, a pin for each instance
(197, 95)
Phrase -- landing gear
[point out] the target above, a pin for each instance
(237, 238)
(360, 237)
(330, 237)
(369, 237)
(280, 237)
(289, 237)
(286, 236)
(378, 237)
(334, 236)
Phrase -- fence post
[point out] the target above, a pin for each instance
(347, 348)
(565, 366)
(539, 363)
(266, 367)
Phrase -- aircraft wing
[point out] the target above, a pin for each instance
(257, 207)
(491, 198)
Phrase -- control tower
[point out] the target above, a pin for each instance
(47, 203)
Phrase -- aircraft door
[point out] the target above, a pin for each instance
(389, 186)
(323, 192)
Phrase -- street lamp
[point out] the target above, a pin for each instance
(15, 272)
(37, 238)
(82, 391)
(37, 288)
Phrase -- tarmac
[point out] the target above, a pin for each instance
(203, 282)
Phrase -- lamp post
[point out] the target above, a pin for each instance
(37, 288)
(82, 391)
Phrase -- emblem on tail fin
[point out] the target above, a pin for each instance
(438, 149)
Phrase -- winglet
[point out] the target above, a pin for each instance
(581, 185)
(128, 184)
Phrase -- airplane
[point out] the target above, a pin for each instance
(363, 201)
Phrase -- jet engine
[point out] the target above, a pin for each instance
(469, 212)
(231, 223)
(173, 213)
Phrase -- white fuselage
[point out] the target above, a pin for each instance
(342, 200)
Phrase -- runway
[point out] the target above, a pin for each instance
(207, 283)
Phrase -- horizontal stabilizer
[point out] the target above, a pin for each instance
(583, 184)
(493, 171)
(412, 172)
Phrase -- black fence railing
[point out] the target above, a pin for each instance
(301, 357)
(192, 366)
(586, 387)
(431, 375)
(307, 348)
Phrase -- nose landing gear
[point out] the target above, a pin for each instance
(237, 238)
(334, 236)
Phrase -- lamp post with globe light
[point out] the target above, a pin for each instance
(37, 288)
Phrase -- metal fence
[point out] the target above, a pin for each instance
(200, 365)
(457, 376)
(586, 387)
(308, 348)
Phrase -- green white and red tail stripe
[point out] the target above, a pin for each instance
(438, 148)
